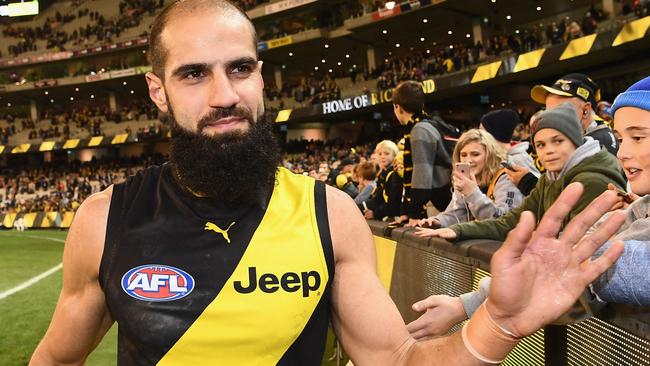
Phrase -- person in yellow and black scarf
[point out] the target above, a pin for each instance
(426, 161)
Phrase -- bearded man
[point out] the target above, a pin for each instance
(219, 257)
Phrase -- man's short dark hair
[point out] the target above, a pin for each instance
(410, 96)
(158, 53)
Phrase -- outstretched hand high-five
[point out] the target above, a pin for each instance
(536, 276)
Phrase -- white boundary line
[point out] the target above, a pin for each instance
(30, 236)
(35, 279)
(30, 282)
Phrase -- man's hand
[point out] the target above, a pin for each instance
(536, 276)
(442, 313)
(517, 173)
(368, 214)
(445, 233)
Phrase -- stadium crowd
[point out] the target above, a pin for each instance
(61, 121)
(62, 187)
(97, 30)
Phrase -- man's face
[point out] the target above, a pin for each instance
(581, 107)
(213, 82)
(632, 128)
(401, 116)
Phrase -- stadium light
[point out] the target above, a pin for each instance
(390, 5)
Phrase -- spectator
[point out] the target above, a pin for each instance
(583, 94)
(386, 199)
(486, 192)
(426, 162)
(501, 123)
(366, 174)
(568, 157)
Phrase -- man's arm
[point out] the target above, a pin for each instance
(536, 278)
(81, 317)
(365, 319)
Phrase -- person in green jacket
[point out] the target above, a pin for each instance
(568, 157)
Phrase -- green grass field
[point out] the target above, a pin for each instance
(26, 314)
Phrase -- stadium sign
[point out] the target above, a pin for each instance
(370, 99)
(19, 9)
(346, 104)
(284, 5)
(278, 42)
(122, 73)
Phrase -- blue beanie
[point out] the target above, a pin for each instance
(638, 95)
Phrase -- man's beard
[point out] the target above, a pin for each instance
(233, 168)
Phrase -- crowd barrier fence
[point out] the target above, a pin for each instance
(412, 268)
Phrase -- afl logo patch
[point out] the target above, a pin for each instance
(156, 282)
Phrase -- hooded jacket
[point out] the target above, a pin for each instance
(478, 206)
(589, 165)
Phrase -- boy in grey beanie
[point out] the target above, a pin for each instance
(563, 119)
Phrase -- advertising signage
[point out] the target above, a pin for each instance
(369, 99)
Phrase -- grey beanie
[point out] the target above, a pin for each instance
(564, 119)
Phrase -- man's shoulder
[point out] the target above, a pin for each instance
(348, 228)
(96, 203)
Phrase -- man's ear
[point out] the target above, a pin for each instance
(157, 91)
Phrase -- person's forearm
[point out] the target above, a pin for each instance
(472, 300)
(626, 281)
(443, 351)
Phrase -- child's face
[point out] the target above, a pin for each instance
(385, 157)
(553, 148)
(632, 128)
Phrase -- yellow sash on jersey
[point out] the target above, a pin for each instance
(257, 328)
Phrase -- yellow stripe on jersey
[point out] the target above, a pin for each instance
(255, 322)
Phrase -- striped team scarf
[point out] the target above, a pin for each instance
(408, 157)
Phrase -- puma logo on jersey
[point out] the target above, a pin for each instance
(217, 229)
(289, 282)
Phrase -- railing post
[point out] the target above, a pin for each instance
(555, 345)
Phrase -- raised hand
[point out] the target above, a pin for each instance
(517, 173)
(536, 276)
(463, 184)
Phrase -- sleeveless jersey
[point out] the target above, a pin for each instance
(191, 284)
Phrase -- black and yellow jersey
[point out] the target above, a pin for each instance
(190, 283)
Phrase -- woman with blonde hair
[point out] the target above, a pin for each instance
(482, 192)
